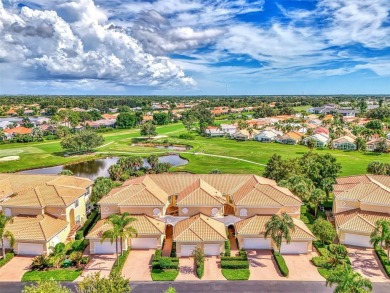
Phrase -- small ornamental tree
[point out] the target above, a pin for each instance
(324, 231)
(148, 129)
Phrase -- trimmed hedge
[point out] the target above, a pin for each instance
(235, 264)
(88, 225)
(8, 257)
(119, 263)
(227, 248)
(233, 258)
(168, 262)
(383, 259)
(281, 263)
(173, 251)
(80, 245)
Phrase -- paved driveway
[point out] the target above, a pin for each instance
(15, 268)
(212, 269)
(187, 271)
(365, 261)
(138, 265)
(99, 263)
(262, 266)
(301, 269)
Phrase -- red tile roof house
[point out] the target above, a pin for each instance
(10, 133)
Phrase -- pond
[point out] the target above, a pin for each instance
(99, 168)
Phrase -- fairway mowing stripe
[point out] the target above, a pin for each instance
(102, 146)
(226, 157)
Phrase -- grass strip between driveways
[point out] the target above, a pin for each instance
(236, 274)
(120, 262)
(164, 275)
(56, 275)
(8, 257)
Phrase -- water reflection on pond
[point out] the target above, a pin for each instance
(99, 167)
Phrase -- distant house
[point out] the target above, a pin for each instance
(321, 139)
(20, 130)
(147, 118)
(214, 131)
(229, 129)
(267, 135)
(372, 145)
(388, 136)
(244, 134)
(5, 124)
(348, 112)
(321, 130)
(289, 138)
(346, 143)
(326, 109)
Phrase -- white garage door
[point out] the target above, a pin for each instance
(105, 247)
(357, 240)
(212, 249)
(256, 243)
(144, 243)
(30, 248)
(186, 250)
(294, 248)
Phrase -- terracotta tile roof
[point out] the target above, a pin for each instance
(13, 184)
(137, 192)
(199, 228)
(200, 193)
(206, 189)
(18, 130)
(45, 196)
(255, 225)
(36, 228)
(359, 221)
(144, 225)
(374, 189)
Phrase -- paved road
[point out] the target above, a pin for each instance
(218, 286)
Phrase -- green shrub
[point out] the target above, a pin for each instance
(79, 235)
(165, 263)
(80, 245)
(186, 136)
(281, 263)
(233, 258)
(157, 254)
(59, 248)
(321, 261)
(243, 253)
(383, 259)
(238, 264)
(89, 223)
(200, 271)
(322, 249)
(8, 257)
(173, 251)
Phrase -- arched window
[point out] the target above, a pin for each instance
(156, 211)
(243, 212)
(214, 211)
(184, 210)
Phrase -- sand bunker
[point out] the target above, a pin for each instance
(9, 158)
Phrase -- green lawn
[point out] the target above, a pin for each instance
(57, 275)
(301, 108)
(236, 274)
(167, 275)
(118, 142)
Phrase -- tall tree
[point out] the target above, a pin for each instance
(360, 144)
(279, 227)
(161, 118)
(114, 283)
(316, 198)
(120, 229)
(125, 120)
(5, 234)
(82, 141)
(153, 161)
(324, 230)
(101, 187)
(148, 129)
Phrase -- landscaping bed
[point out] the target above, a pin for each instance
(93, 218)
(383, 259)
(8, 257)
(281, 263)
(235, 268)
(119, 263)
(57, 275)
(164, 268)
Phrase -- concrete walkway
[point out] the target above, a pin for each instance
(187, 271)
(365, 261)
(14, 270)
(212, 269)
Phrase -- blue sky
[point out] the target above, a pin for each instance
(183, 47)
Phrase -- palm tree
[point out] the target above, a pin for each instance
(348, 281)
(5, 234)
(279, 227)
(381, 235)
(121, 229)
